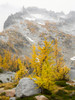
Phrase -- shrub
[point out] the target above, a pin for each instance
(1, 81)
(53, 97)
(26, 98)
(48, 65)
(68, 87)
(61, 92)
(45, 91)
(1, 70)
(4, 98)
(8, 85)
(61, 83)
(3, 94)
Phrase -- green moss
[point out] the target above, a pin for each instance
(3, 94)
(61, 92)
(46, 92)
(1, 70)
(61, 83)
(1, 81)
(70, 87)
(26, 98)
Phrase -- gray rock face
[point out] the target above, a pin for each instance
(26, 87)
(72, 74)
(7, 77)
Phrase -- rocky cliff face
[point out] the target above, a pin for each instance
(30, 26)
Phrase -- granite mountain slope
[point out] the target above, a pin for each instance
(30, 25)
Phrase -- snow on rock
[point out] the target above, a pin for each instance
(34, 17)
(73, 58)
(29, 18)
(29, 39)
(37, 16)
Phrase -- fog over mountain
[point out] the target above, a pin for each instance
(5, 11)
(8, 7)
(65, 22)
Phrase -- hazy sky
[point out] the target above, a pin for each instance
(11, 6)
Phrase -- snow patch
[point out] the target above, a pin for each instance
(34, 17)
(30, 39)
(73, 58)
(37, 16)
(30, 18)
(41, 23)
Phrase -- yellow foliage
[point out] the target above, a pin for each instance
(48, 65)
(6, 60)
(1, 59)
(61, 69)
(4, 98)
(9, 85)
(42, 63)
(22, 72)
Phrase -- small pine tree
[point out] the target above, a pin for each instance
(42, 63)
(1, 59)
(6, 60)
(22, 72)
(47, 65)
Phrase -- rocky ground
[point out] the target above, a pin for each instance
(27, 90)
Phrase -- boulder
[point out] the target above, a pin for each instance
(6, 77)
(41, 97)
(27, 87)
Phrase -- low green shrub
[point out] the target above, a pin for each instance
(45, 91)
(53, 97)
(3, 94)
(1, 70)
(61, 83)
(1, 81)
(26, 98)
(61, 92)
(70, 87)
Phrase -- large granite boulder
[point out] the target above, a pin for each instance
(26, 87)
